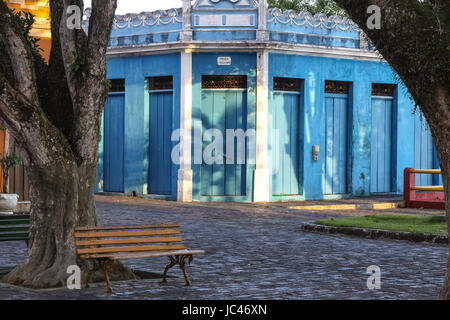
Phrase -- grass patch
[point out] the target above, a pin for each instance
(407, 223)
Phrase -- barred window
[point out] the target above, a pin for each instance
(337, 87)
(224, 82)
(383, 90)
(160, 83)
(117, 85)
(287, 84)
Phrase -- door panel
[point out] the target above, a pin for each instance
(336, 133)
(381, 146)
(425, 154)
(113, 164)
(160, 163)
(286, 149)
(222, 110)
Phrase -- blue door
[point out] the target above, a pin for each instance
(336, 139)
(113, 143)
(160, 144)
(381, 145)
(425, 154)
(222, 110)
(286, 176)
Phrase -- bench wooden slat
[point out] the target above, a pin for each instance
(21, 236)
(120, 234)
(14, 222)
(139, 255)
(130, 249)
(127, 241)
(13, 229)
(150, 226)
(15, 216)
(14, 239)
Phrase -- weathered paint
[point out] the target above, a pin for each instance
(135, 70)
(160, 144)
(337, 110)
(425, 153)
(381, 145)
(223, 110)
(113, 143)
(140, 44)
(315, 70)
(206, 64)
(287, 170)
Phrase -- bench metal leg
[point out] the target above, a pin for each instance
(173, 262)
(104, 264)
(91, 272)
(108, 264)
(183, 268)
(181, 261)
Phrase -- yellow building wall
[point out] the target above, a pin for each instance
(41, 10)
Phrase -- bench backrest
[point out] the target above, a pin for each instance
(15, 227)
(103, 241)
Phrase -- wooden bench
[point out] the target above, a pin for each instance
(15, 228)
(107, 245)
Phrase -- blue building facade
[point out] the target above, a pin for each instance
(308, 108)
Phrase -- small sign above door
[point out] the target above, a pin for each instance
(224, 61)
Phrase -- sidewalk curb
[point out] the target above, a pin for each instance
(377, 233)
(351, 206)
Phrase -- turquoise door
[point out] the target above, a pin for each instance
(286, 143)
(425, 154)
(381, 145)
(113, 143)
(222, 110)
(336, 139)
(160, 144)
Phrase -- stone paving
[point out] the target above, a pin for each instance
(256, 252)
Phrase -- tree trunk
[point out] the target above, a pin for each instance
(62, 198)
(438, 117)
(445, 291)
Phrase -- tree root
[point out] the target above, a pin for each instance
(38, 277)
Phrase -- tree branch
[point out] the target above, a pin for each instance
(94, 93)
(43, 143)
(100, 26)
(414, 38)
(84, 61)
(19, 53)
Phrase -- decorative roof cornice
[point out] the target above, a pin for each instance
(135, 20)
(305, 18)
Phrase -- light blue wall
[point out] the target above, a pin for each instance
(206, 64)
(304, 29)
(135, 70)
(154, 27)
(315, 70)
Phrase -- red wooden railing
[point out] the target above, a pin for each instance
(429, 197)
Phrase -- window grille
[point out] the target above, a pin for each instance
(224, 82)
(117, 85)
(160, 83)
(383, 90)
(287, 84)
(337, 87)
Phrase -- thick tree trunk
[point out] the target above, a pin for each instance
(62, 198)
(445, 291)
(439, 119)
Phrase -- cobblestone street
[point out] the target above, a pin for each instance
(255, 252)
